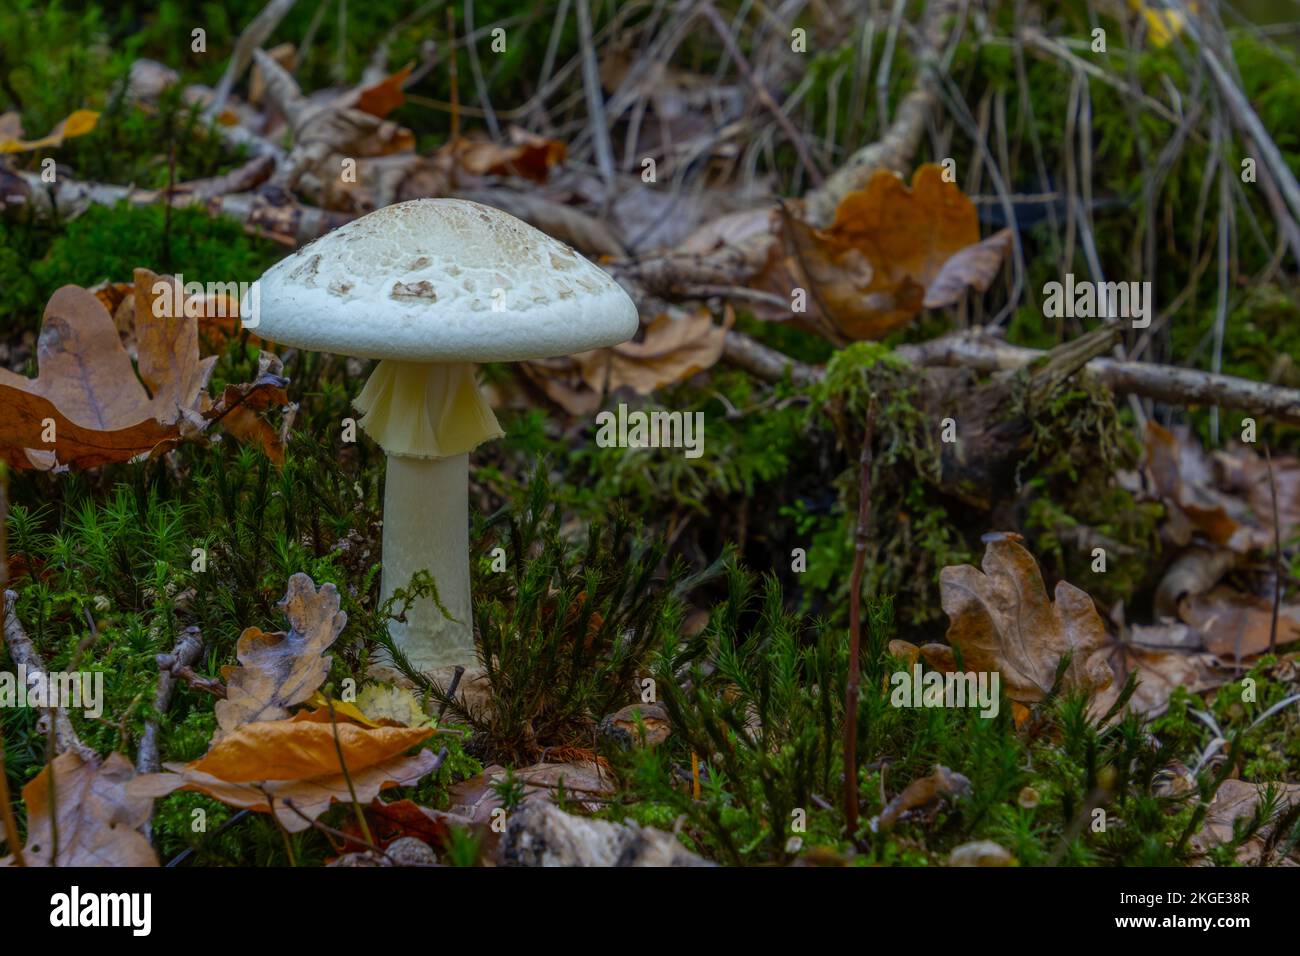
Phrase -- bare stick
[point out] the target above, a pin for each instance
(480, 84)
(187, 650)
(860, 538)
(595, 104)
(254, 35)
(1277, 554)
(764, 97)
(63, 735)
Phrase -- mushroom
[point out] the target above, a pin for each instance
(431, 287)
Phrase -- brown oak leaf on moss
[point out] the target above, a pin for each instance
(891, 251)
(283, 668)
(88, 406)
(1001, 619)
(87, 390)
(97, 818)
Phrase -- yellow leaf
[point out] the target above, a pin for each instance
(78, 123)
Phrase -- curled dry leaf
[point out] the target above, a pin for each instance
(1160, 670)
(284, 668)
(380, 99)
(97, 817)
(676, 345)
(890, 252)
(1184, 477)
(1235, 625)
(1002, 620)
(526, 155)
(922, 793)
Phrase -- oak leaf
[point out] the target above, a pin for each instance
(283, 668)
(676, 345)
(87, 388)
(890, 252)
(97, 818)
(1001, 619)
(302, 748)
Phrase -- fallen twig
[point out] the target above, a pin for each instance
(185, 653)
(861, 536)
(24, 654)
(982, 352)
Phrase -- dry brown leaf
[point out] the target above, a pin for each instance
(475, 799)
(890, 252)
(167, 346)
(380, 99)
(1237, 800)
(526, 155)
(1184, 477)
(1235, 625)
(1002, 620)
(676, 345)
(732, 229)
(1160, 671)
(923, 792)
(284, 668)
(97, 817)
(87, 387)
(310, 797)
(974, 267)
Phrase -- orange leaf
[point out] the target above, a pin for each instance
(302, 750)
(890, 252)
(380, 99)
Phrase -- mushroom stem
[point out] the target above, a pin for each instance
(428, 417)
(426, 527)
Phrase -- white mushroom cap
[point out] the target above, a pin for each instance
(442, 280)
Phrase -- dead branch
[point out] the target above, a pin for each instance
(184, 654)
(254, 35)
(169, 664)
(25, 655)
(261, 210)
(983, 352)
